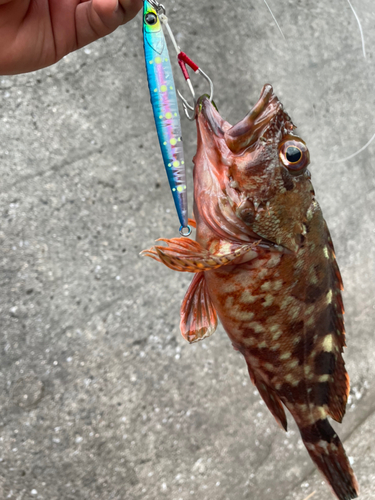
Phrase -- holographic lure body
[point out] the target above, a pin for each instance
(165, 108)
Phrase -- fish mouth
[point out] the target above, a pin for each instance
(218, 200)
(208, 112)
(249, 130)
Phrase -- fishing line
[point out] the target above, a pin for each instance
(360, 29)
(274, 18)
(364, 55)
(311, 495)
(356, 153)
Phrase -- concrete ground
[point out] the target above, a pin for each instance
(100, 396)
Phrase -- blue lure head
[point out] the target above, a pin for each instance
(153, 32)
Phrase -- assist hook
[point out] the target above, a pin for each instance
(183, 60)
(160, 9)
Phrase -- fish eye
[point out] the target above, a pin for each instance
(151, 19)
(294, 155)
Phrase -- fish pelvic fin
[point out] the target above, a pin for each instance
(326, 450)
(198, 315)
(185, 255)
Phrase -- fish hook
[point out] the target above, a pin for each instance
(160, 9)
(184, 60)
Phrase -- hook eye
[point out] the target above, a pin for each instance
(157, 6)
(185, 231)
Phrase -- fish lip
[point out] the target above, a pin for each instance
(206, 109)
(250, 129)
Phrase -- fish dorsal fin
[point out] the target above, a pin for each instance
(185, 255)
(198, 315)
(329, 361)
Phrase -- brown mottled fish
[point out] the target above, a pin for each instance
(264, 263)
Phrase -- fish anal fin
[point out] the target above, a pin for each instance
(326, 450)
(273, 403)
(186, 255)
(198, 315)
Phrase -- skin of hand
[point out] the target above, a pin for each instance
(37, 33)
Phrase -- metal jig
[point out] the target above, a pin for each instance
(165, 104)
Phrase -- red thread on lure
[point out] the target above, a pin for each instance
(183, 59)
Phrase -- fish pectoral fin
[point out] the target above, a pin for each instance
(180, 254)
(192, 223)
(185, 255)
(198, 315)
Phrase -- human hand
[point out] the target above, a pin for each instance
(38, 33)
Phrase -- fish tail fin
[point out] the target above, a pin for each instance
(327, 451)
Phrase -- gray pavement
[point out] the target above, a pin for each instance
(100, 396)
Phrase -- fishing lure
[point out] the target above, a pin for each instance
(164, 102)
(264, 263)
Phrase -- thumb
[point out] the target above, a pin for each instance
(98, 18)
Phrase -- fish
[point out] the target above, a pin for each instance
(264, 265)
(165, 108)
